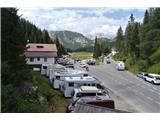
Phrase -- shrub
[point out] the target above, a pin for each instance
(143, 65)
(154, 68)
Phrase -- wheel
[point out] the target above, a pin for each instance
(152, 82)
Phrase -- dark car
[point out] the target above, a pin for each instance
(101, 101)
(108, 61)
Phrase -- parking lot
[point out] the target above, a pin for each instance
(136, 94)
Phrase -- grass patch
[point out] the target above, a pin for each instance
(56, 101)
(82, 55)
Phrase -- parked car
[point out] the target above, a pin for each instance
(101, 101)
(152, 79)
(91, 61)
(108, 61)
(83, 65)
(142, 74)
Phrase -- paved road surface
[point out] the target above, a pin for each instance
(144, 96)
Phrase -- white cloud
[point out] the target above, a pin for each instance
(70, 19)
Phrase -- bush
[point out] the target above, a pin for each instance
(154, 68)
(31, 106)
(134, 69)
(143, 65)
(10, 98)
(155, 57)
(128, 63)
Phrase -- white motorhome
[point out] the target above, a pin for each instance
(59, 76)
(44, 69)
(88, 91)
(70, 83)
(120, 65)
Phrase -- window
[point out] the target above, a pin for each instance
(44, 67)
(31, 59)
(57, 77)
(79, 95)
(84, 84)
(45, 59)
(100, 94)
(71, 84)
(39, 46)
(85, 75)
(38, 59)
(90, 94)
(93, 84)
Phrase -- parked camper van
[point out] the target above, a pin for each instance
(88, 91)
(59, 76)
(44, 69)
(70, 83)
(120, 65)
(52, 71)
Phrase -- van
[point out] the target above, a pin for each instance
(120, 65)
(87, 91)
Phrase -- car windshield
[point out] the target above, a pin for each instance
(157, 78)
(100, 94)
(78, 101)
(85, 94)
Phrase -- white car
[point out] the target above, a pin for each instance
(82, 65)
(152, 79)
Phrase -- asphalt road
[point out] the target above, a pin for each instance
(144, 96)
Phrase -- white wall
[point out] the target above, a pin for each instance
(41, 61)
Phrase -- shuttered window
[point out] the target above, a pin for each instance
(31, 59)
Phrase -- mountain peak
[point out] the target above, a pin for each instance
(72, 40)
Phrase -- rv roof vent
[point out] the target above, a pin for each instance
(39, 46)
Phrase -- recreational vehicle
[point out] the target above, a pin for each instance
(59, 76)
(45, 68)
(70, 83)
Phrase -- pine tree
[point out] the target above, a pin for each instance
(119, 40)
(146, 17)
(95, 48)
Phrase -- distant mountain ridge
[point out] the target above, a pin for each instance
(72, 40)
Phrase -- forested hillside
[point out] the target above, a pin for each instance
(23, 90)
(102, 47)
(139, 44)
(72, 40)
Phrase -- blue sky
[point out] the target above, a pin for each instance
(88, 21)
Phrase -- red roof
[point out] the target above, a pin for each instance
(36, 47)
